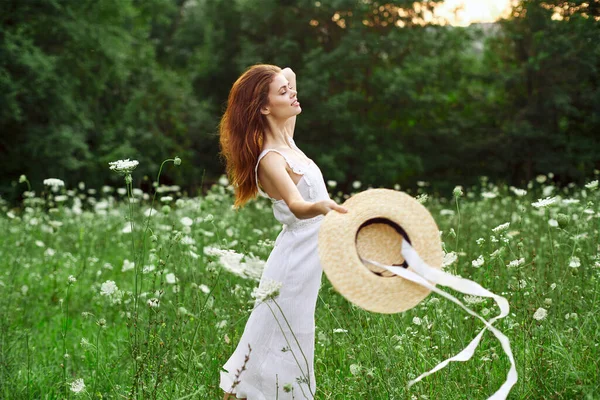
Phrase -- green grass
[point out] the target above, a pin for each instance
(176, 349)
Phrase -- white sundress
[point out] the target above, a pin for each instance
(272, 373)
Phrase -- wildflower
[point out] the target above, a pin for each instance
(477, 263)
(170, 278)
(72, 279)
(449, 258)
(457, 192)
(124, 167)
(166, 199)
(340, 330)
(101, 322)
(473, 299)
(54, 183)
(355, 369)
(485, 311)
(177, 161)
(518, 192)
(417, 321)
(186, 221)
(553, 286)
(540, 178)
(501, 228)
(548, 301)
(204, 288)
(22, 179)
(127, 265)
(447, 212)
(331, 184)
(515, 263)
(84, 343)
(574, 262)
(593, 185)
(422, 198)
(77, 386)
(480, 241)
(542, 203)
(356, 184)
(540, 314)
(153, 302)
(488, 195)
(267, 289)
(108, 288)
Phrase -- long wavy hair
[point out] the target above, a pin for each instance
(242, 129)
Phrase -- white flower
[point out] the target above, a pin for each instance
(153, 302)
(457, 192)
(123, 166)
(570, 201)
(593, 185)
(480, 241)
(108, 288)
(332, 184)
(340, 330)
(488, 195)
(515, 263)
(552, 222)
(416, 321)
(77, 386)
(53, 182)
(540, 178)
(518, 192)
(148, 268)
(127, 265)
(541, 203)
(267, 289)
(474, 299)
(356, 184)
(478, 263)
(170, 278)
(72, 279)
(188, 240)
(501, 228)
(355, 369)
(186, 221)
(447, 212)
(540, 314)
(231, 261)
(449, 258)
(166, 199)
(574, 262)
(553, 286)
(548, 301)
(204, 288)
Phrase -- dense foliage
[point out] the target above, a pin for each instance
(86, 82)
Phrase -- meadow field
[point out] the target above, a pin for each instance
(114, 293)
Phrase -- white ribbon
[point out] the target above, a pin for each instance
(425, 273)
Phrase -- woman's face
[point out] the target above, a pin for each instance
(282, 99)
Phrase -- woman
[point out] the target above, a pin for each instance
(256, 136)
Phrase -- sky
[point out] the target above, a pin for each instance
(465, 12)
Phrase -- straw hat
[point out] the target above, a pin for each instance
(373, 228)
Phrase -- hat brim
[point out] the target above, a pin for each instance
(341, 262)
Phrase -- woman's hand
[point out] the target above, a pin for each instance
(327, 205)
(289, 74)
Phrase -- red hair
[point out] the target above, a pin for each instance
(242, 129)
